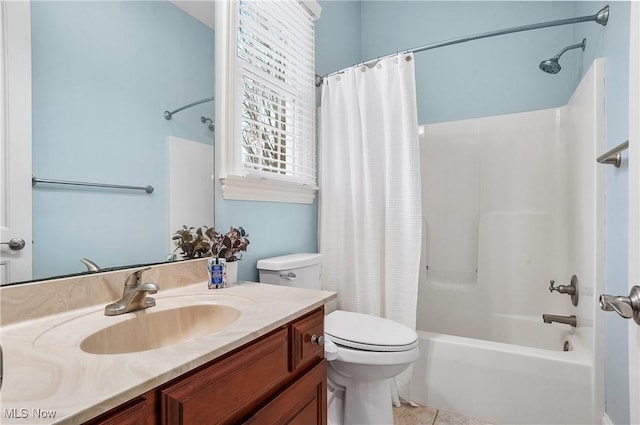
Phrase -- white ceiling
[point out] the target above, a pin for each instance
(202, 10)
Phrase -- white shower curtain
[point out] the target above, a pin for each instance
(370, 208)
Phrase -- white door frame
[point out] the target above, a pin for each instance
(634, 206)
(15, 139)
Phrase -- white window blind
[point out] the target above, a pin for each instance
(276, 75)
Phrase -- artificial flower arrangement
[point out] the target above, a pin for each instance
(207, 242)
(230, 245)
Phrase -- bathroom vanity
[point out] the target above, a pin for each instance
(278, 378)
(261, 366)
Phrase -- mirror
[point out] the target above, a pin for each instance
(103, 73)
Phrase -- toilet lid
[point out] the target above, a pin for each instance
(371, 333)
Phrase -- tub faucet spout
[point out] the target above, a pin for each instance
(567, 320)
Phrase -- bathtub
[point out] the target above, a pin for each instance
(528, 331)
(520, 204)
(507, 383)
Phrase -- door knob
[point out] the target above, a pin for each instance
(627, 307)
(15, 244)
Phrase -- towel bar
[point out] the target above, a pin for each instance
(35, 180)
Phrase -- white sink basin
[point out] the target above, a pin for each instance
(150, 329)
(175, 319)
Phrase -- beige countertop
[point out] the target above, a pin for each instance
(49, 379)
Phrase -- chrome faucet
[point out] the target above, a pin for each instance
(90, 265)
(134, 295)
(567, 320)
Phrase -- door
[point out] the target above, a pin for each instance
(634, 206)
(15, 142)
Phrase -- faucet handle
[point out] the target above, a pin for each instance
(135, 278)
(571, 289)
(627, 307)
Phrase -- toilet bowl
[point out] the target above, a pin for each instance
(370, 352)
(364, 352)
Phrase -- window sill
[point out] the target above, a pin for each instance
(256, 189)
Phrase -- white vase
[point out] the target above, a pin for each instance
(232, 272)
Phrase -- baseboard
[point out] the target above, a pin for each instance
(606, 420)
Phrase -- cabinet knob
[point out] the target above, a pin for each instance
(317, 340)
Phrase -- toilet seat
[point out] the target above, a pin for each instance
(368, 333)
(376, 358)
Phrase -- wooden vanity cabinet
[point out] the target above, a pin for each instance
(302, 403)
(139, 411)
(228, 390)
(280, 378)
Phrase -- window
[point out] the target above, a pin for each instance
(274, 135)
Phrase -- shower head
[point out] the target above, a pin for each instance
(552, 66)
(208, 122)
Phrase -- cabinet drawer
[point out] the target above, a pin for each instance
(228, 390)
(302, 403)
(303, 351)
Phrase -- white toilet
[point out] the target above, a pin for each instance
(364, 352)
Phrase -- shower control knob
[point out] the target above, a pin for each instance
(571, 289)
(317, 340)
(627, 307)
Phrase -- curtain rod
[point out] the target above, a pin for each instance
(169, 114)
(601, 17)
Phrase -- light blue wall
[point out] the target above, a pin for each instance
(274, 229)
(338, 33)
(103, 73)
(497, 75)
(612, 42)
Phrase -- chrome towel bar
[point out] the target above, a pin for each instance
(35, 181)
(613, 156)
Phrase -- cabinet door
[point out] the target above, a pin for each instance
(302, 403)
(136, 413)
(304, 351)
(230, 389)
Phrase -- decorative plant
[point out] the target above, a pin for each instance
(230, 245)
(193, 242)
(198, 243)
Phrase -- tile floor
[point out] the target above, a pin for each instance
(423, 415)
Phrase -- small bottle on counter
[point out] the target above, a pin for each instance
(217, 273)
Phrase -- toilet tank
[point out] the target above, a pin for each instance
(297, 270)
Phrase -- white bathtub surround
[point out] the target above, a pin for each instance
(190, 186)
(527, 206)
(370, 212)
